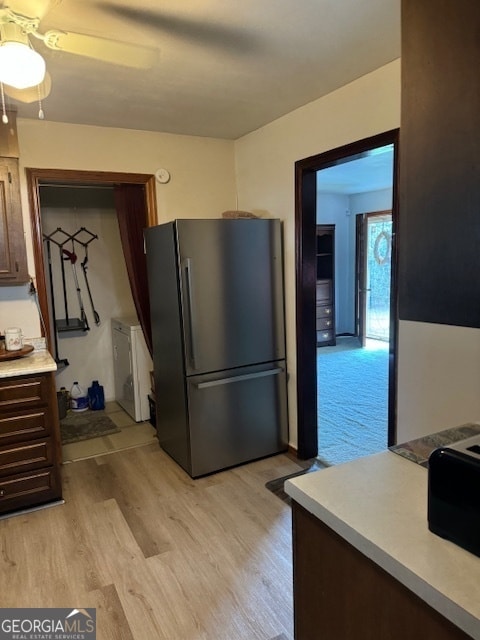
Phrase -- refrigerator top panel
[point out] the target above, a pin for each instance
(231, 288)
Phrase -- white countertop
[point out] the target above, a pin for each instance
(35, 362)
(379, 505)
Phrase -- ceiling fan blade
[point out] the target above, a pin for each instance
(123, 53)
(204, 33)
(32, 94)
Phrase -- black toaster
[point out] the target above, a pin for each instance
(454, 493)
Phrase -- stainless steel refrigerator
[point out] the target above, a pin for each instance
(217, 309)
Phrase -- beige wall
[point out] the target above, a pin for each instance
(202, 180)
(438, 367)
(438, 379)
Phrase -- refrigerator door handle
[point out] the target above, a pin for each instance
(187, 266)
(248, 376)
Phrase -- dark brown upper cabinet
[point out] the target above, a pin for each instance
(13, 255)
(439, 259)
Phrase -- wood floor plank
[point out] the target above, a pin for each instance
(47, 545)
(159, 555)
(123, 565)
(114, 623)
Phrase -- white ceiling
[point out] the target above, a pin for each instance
(225, 67)
(370, 172)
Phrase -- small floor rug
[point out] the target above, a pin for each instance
(276, 486)
(86, 425)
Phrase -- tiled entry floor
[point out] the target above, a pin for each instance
(132, 434)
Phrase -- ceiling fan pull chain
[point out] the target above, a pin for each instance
(4, 116)
(41, 115)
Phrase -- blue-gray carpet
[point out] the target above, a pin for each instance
(352, 400)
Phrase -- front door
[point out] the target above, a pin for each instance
(373, 275)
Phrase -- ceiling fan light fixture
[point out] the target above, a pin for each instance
(20, 65)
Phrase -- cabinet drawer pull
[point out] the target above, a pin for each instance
(2, 493)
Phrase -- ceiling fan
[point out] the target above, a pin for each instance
(189, 28)
(20, 27)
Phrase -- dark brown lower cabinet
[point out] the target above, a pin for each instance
(340, 594)
(29, 442)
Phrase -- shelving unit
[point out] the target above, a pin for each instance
(325, 301)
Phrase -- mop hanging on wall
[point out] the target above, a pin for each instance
(83, 264)
(63, 362)
(71, 256)
(61, 238)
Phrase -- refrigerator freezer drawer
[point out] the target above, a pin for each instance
(237, 416)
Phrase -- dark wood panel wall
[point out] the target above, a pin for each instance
(439, 261)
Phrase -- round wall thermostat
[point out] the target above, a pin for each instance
(162, 175)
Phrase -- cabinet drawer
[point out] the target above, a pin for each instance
(16, 393)
(324, 290)
(22, 457)
(324, 311)
(25, 425)
(324, 323)
(28, 489)
(324, 336)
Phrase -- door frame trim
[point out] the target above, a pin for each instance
(305, 223)
(72, 177)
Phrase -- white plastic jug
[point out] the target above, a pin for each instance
(78, 398)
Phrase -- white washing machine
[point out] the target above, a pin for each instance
(131, 367)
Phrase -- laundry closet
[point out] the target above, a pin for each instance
(87, 285)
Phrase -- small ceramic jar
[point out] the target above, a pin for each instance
(13, 339)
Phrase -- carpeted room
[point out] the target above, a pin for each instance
(352, 399)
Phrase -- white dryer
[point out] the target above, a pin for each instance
(131, 367)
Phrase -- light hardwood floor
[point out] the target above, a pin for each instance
(160, 556)
(132, 434)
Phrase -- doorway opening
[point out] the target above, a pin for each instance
(363, 216)
(76, 226)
